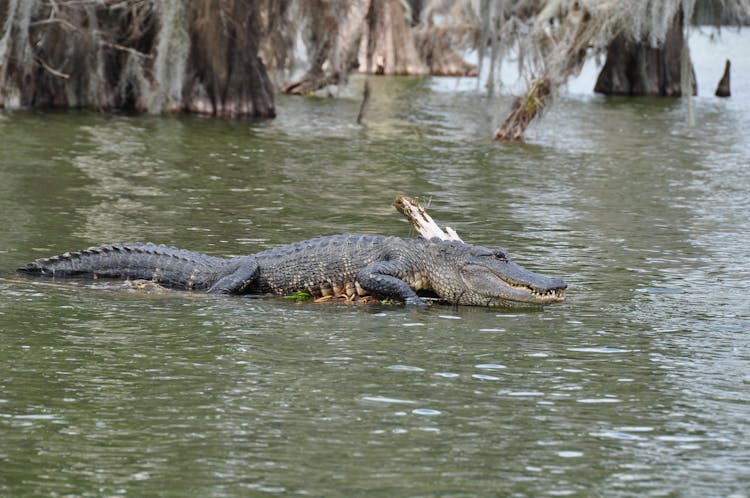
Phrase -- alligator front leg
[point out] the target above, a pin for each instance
(238, 280)
(381, 280)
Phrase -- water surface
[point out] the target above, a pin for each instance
(638, 385)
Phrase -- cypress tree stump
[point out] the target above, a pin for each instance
(635, 68)
(722, 90)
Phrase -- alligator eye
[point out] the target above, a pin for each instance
(500, 255)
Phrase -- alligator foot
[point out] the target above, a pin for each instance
(149, 286)
(242, 275)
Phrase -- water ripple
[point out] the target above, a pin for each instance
(388, 400)
(604, 350)
(405, 368)
(426, 411)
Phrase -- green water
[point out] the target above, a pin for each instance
(638, 385)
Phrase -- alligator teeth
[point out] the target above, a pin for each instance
(547, 293)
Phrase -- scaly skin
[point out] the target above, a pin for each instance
(349, 265)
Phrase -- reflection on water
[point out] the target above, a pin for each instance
(634, 386)
(121, 173)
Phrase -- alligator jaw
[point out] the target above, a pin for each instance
(541, 296)
(490, 287)
(506, 293)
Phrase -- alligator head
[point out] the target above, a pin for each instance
(488, 277)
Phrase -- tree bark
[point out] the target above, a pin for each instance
(225, 76)
(635, 68)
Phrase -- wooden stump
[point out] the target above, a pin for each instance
(722, 90)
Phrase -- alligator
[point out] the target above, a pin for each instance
(347, 265)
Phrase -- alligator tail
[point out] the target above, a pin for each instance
(169, 266)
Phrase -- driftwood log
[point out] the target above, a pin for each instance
(421, 221)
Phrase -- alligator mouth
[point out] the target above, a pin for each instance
(528, 294)
(514, 287)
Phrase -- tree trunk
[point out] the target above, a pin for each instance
(636, 68)
(435, 49)
(388, 45)
(371, 36)
(225, 76)
(327, 64)
(150, 56)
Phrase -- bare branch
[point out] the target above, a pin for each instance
(52, 70)
(123, 48)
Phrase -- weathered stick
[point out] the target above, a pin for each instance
(421, 221)
(365, 100)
